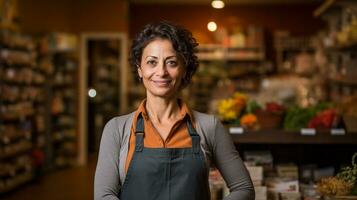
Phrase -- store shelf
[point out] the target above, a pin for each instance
(22, 163)
(11, 137)
(61, 60)
(220, 53)
(228, 57)
(323, 7)
(10, 184)
(344, 80)
(19, 148)
(349, 46)
(103, 57)
(17, 116)
(9, 26)
(225, 64)
(292, 137)
(329, 4)
(22, 105)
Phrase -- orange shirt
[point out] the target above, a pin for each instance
(178, 136)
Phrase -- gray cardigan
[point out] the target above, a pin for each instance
(216, 144)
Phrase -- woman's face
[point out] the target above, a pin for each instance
(161, 69)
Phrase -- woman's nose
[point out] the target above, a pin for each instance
(161, 69)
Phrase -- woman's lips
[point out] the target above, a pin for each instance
(162, 83)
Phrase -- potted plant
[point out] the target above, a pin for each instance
(341, 186)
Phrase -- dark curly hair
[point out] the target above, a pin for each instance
(182, 41)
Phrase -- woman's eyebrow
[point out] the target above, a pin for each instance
(151, 57)
(168, 57)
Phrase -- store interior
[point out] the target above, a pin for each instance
(279, 74)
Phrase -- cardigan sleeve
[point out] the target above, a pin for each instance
(106, 180)
(230, 165)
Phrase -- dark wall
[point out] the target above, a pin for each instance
(297, 19)
(73, 16)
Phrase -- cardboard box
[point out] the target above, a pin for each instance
(260, 192)
(256, 174)
(288, 171)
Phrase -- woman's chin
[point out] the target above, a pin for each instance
(163, 93)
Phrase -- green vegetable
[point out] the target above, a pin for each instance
(232, 122)
(297, 118)
(252, 106)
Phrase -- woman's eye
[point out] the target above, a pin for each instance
(171, 63)
(151, 62)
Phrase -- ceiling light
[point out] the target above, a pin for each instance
(92, 93)
(212, 26)
(217, 4)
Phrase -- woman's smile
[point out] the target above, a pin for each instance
(162, 83)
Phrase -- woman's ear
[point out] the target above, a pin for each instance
(140, 72)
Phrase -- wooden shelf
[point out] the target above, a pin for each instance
(9, 26)
(323, 7)
(227, 57)
(16, 181)
(350, 46)
(328, 4)
(344, 80)
(291, 137)
(19, 148)
(212, 52)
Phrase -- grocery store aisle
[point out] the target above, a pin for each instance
(66, 184)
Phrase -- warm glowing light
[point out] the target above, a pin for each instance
(92, 93)
(217, 4)
(212, 26)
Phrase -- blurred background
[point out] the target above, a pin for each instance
(280, 74)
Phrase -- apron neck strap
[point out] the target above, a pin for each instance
(194, 136)
(139, 134)
(139, 124)
(190, 128)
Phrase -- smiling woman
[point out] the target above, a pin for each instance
(163, 150)
(161, 70)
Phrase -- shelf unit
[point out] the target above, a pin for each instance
(21, 82)
(239, 66)
(339, 43)
(319, 151)
(104, 72)
(64, 109)
(330, 5)
(292, 137)
(8, 26)
(213, 52)
(288, 47)
(58, 53)
(344, 80)
(104, 64)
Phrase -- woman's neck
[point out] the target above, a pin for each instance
(162, 109)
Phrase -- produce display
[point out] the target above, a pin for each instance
(271, 116)
(324, 119)
(231, 109)
(249, 120)
(242, 111)
(297, 117)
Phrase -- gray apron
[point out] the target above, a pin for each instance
(166, 173)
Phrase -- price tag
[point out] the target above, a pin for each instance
(236, 130)
(338, 131)
(308, 131)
